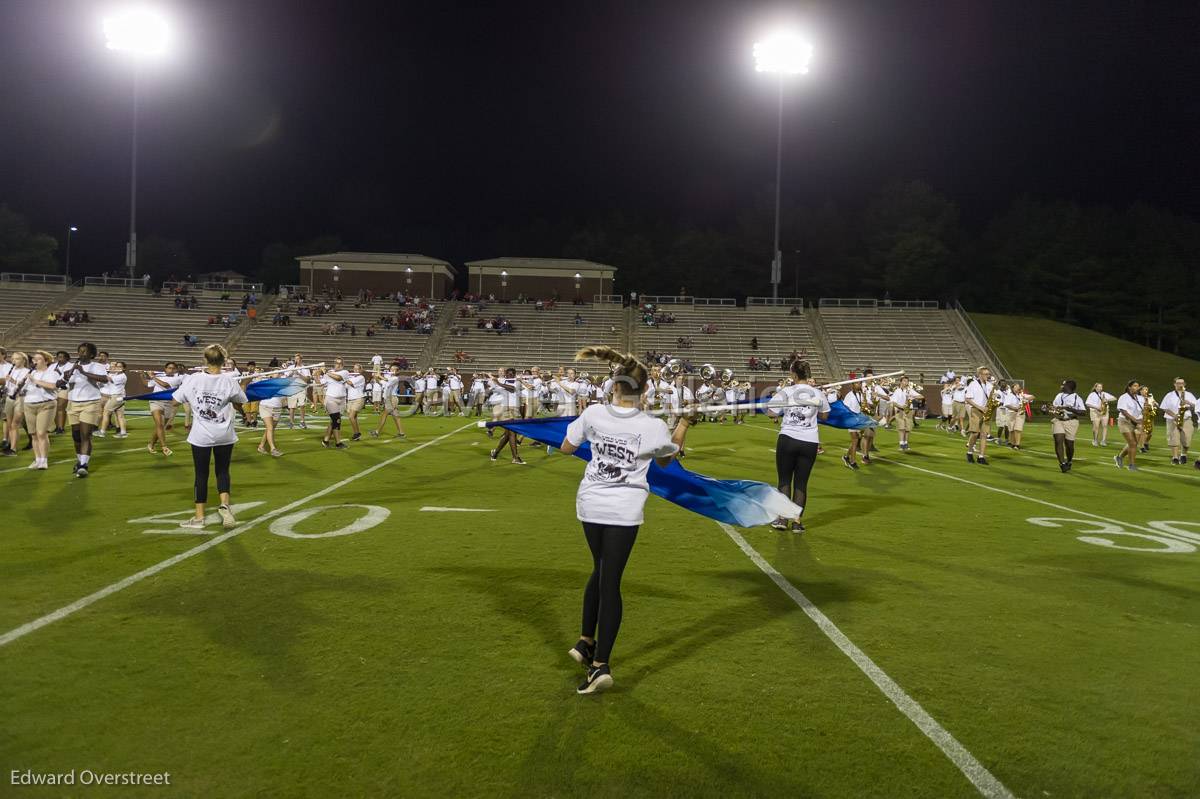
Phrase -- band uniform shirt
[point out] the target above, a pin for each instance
(799, 421)
(1069, 401)
(211, 397)
(79, 388)
(1171, 403)
(1131, 405)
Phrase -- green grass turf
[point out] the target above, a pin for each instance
(426, 655)
(1043, 353)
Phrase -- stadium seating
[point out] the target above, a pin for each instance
(304, 334)
(778, 333)
(17, 300)
(546, 338)
(139, 328)
(918, 341)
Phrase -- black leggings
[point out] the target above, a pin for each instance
(200, 459)
(610, 547)
(794, 462)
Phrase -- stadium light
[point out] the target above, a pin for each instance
(782, 53)
(70, 230)
(142, 34)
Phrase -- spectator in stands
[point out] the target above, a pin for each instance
(578, 320)
(274, 364)
(51, 319)
(795, 311)
(754, 343)
(225, 321)
(190, 340)
(709, 328)
(212, 320)
(353, 330)
(252, 313)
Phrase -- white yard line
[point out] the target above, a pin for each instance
(80, 604)
(983, 780)
(439, 509)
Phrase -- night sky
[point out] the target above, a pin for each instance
(428, 126)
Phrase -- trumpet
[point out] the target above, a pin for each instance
(673, 367)
(708, 371)
(726, 375)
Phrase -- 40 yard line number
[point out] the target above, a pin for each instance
(1169, 537)
(284, 526)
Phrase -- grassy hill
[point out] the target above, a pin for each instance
(1044, 353)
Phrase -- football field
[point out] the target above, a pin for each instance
(393, 619)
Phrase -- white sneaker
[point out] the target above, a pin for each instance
(193, 524)
(122, 435)
(276, 453)
(98, 433)
(227, 517)
(35, 465)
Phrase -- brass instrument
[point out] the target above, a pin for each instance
(1149, 413)
(708, 371)
(1183, 414)
(673, 368)
(993, 402)
(868, 398)
(726, 375)
(1059, 412)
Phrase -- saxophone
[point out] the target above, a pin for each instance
(992, 403)
(1148, 415)
(1181, 416)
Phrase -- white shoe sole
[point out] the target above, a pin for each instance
(227, 519)
(601, 683)
(578, 658)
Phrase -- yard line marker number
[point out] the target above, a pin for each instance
(80, 604)
(983, 780)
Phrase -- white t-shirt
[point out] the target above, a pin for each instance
(1171, 402)
(1098, 402)
(355, 384)
(1013, 401)
(476, 386)
(6, 367)
(34, 392)
(335, 389)
(799, 421)
(947, 402)
(1071, 401)
(614, 488)
(679, 396)
(115, 387)
(211, 397)
(80, 389)
(456, 382)
(977, 393)
(1131, 405)
(377, 362)
(901, 397)
(15, 376)
(851, 402)
(431, 382)
(959, 395)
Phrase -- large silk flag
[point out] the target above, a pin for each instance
(255, 392)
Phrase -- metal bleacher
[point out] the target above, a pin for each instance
(918, 340)
(546, 338)
(303, 334)
(19, 300)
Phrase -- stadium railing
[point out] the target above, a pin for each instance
(126, 283)
(292, 290)
(715, 302)
(664, 299)
(848, 302)
(234, 288)
(26, 277)
(607, 299)
(924, 305)
(774, 301)
(183, 286)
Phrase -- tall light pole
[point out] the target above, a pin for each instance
(783, 53)
(70, 230)
(143, 34)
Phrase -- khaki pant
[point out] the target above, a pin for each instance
(84, 413)
(959, 409)
(904, 420)
(1098, 417)
(977, 424)
(1176, 436)
(1016, 421)
(296, 400)
(39, 416)
(1126, 427)
(1066, 428)
(12, 407)
(113, 404)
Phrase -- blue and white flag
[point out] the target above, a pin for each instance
(746, 503)
(255, 392)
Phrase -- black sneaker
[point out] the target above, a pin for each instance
(970, 457)
(867, 459)
(849, 463)
(598, 679)
(493, 454)
(583, 653)
(81, 471)
(325, 443)
(981, 461)
(797, 526)
(356, 437)
(1069, 465)
(1063, 466)
(75, 468)
(780, 524)
(341, 445)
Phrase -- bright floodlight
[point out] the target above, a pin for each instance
(783, 52)
(140, 31)
(74, 229)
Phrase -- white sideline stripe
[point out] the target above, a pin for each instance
(439, 509)
(80, 604)
(983, 780)
(1014, 494)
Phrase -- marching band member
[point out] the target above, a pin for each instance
(610, 502)
(113, 393)
(1150, 411)
(375, 391)
(979, 404)
(211, 393)
(678, 401)
(418, 386)
(334, 382)
(5, 369)
(297, 369)
(1129, 420)
(431, 389)
(796, 447)
(743, 397)
(14, 401)
(166, 379)
(960, 406)
(250, 409)
(852, 402)
(83, 380)
(356, 384)
(62, 362)
(565, 385)
(454, 391)
(477, 395)
(391, 403)
(1179, 410)
(41, 399)
(650, 396)
(505, 406)
(1067, 406)
(1097, 404)
(1014, 403)
(270, 410)
(1000, 414)
(947, 409)
(531, 386)
(902, 401)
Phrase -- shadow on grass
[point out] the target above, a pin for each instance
(259, 612)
